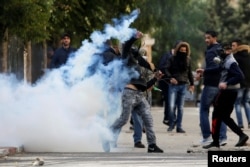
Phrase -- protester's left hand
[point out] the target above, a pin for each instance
(222, 85)
(191, 89)
(158, 74)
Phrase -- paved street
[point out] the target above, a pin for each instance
(122, 159)
(179, 149)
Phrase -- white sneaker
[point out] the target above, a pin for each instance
(206, 141)
(223, 142)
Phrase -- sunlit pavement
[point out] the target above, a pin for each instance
(179, 149)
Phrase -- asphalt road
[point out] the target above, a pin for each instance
(128, 159)
(179, 149)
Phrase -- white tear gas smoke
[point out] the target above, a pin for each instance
(70, 108)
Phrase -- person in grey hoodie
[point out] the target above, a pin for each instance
(231, 76)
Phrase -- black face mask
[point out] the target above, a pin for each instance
(181, 54)
(223, 56)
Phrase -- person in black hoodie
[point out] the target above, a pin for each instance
(178, 70)
(242, 56)
(133, 96)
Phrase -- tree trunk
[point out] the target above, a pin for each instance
(5, 52)
(45, 60)
(27, 62)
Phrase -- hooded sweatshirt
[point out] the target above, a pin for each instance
(179, 66)
(242, 56)
(231, 73)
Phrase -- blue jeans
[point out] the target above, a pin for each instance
(138, 126)
(176, 97)
(242, 98)
(207, 98)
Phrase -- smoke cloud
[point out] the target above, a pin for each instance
(70, 108)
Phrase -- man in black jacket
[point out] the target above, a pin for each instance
(242, 56)
(163, 84)
(62, 54)
(211, 77)
(133, 96)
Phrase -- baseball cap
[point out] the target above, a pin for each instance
(65, 35)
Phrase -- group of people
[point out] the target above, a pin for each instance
(223, 78)
(225, 83)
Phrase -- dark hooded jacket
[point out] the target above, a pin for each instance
(180, 68)
(134, 60)
(242, 56)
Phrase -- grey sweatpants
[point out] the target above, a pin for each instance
(133, 100)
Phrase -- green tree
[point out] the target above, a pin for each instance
(230, 19)
(81, 18)
(172, 20)
(28, 20)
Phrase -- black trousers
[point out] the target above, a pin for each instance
(163, 85)
(223, 107)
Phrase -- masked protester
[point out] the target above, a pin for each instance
(178, 71)
(231, 76)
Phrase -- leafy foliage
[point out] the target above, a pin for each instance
(230, 19)
(166, 21)
(27, 19)
(81, 18)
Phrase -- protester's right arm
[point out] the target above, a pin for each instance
(128, 44)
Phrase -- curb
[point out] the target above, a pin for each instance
(8, 151)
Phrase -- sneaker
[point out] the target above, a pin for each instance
(139, 145)
(113, 144)
(166, 122)
(241, 126)
(180, 130)
(213, 144)
(153, 148)
(223, 142)
(206, 141)
(242, 140)
(106, 146)
(170, 129)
